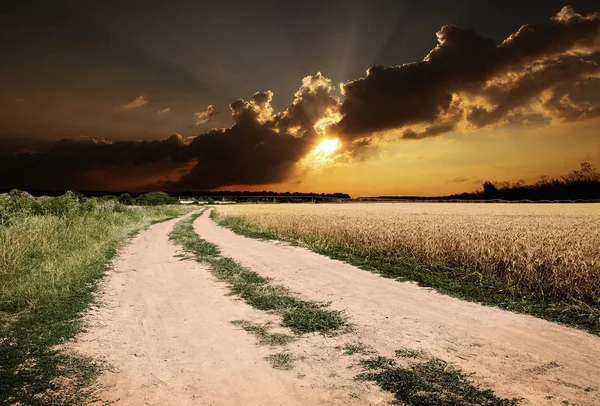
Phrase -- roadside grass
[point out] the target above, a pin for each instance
(281, 360)
(299, 315)
(430, 382)
(475, 287)
(262, 333)
(50, 266)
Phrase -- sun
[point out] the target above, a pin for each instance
(327, 146)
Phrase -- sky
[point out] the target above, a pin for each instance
(362, 97)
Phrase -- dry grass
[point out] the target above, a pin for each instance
(550, 250)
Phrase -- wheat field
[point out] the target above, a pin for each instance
(552, 250)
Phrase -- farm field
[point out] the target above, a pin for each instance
(542, 259)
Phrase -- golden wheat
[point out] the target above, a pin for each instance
(550, 249)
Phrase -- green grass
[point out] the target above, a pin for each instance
(407, 353)
(357, 348)
(281, 360)
(300, 316)
(50, 266)
(486, 290)
(432, 382)
(262, 333)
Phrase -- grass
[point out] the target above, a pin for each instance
(407, 353)
(300, 316)
(432, 382)
(523, 261)
(357, 348)
(281, 360)
(50, 265)
(262, 333)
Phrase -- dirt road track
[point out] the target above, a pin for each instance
(164, 326)
(516, 355)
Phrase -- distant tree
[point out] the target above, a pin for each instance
(210, 200)
(156, 198)
(126, 199)
(489, 189)
(108, 198)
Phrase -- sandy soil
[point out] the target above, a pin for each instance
(516, 355)
(163, 327)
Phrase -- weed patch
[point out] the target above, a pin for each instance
(358, 348)
(262, 333)
(407, 353)
(281, 360)
(433, 382)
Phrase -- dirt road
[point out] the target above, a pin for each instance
(516, 355)
(164, 326)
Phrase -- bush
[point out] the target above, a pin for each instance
(126, 199)
(155, 199)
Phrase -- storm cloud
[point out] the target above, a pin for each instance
(259, 148)
(465, 67)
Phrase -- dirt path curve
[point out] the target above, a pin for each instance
(516, 355)
(164, 327)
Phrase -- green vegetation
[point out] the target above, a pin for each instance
(407, 353)
(432, 382)
(281, 360)
(155, 199)
(261, 331)
(53, 251)
(472, 286)
(299, 315)
(358, 348)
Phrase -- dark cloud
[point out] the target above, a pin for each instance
(257, 149)
(314, 102)
(460, 66)
(84, 163)
(556, 77)
(460, 179)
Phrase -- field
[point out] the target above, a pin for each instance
(542, 259)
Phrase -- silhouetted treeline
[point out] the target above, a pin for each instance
(580, 184)
(243, 195)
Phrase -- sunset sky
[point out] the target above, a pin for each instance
(364, 97)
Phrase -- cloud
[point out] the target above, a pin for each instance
(451, 77)
(135, 103)
(92, 163)
(259, 148)
(460, 179)
(205, 116)
(163, 112)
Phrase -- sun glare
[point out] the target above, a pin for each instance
(327, 147)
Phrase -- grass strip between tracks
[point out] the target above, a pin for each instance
(301, 316)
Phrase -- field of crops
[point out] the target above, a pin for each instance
(551, 251)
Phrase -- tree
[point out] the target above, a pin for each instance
(155, 199)
(489, 189)
(126, 198)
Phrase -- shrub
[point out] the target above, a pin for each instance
(155, 199)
